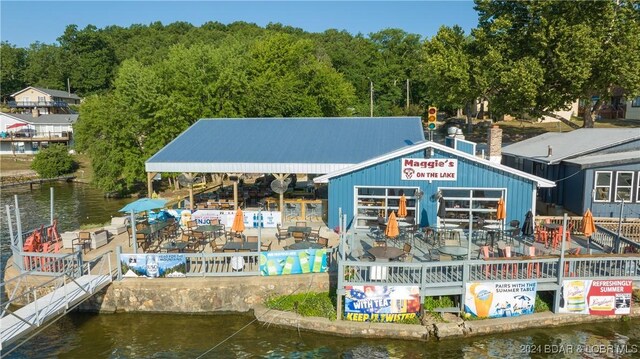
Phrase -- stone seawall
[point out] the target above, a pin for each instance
(200, 295)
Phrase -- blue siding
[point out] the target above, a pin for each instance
(611, 209)
(470, 175)
(573, 189)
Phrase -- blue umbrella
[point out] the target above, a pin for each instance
(144, 204)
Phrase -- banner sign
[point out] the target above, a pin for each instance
(269, 218)
(500, 299)
(381, 303)
(429, 169)
(302, 261)
(596, 297)
(153, 265)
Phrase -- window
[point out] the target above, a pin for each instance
(603, 187)
(462, 204)
(374, 202)
(638, 190)
(635, 102)
(624, 186)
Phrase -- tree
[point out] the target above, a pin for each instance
(12, 68)
(541, 56)
(45, 67)
(53, 161)
(447, 69)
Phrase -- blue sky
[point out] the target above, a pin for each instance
(25, 22)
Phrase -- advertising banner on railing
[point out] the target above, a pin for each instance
(500, 299)
(153, 265)
(596, 297)
(293, 262)
(381, 303)
(429, 169)
(251, 220)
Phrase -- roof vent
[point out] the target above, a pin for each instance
(549, 151)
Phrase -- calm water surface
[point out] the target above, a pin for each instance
(87, 335)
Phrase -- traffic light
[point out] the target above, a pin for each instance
(432, 116)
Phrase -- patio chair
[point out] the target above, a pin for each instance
(314, 235)
(281, 234)
(531, 252)
(265, 247)
(252, 239)
(84, 239)
(323, 241)
(298, 236)
(406, 248)
(301, 223)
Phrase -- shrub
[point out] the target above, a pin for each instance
(306, 304)
(53, 161)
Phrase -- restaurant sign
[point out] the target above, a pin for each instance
(596, 297)
(500, 299)
(421, 169)
(381, 303)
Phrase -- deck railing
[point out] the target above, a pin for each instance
(629, 227)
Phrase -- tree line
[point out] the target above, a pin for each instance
(144, 84)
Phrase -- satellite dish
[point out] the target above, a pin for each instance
(280, 186)
(186, 180)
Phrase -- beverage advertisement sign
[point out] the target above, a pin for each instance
(596, 297)
(153, 265)
(500, 299)
(251, 218)
(420, 169)
(381, 303)
(293, 262)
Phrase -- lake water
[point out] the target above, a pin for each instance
(88, 335)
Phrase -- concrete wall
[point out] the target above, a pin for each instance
(200, 295)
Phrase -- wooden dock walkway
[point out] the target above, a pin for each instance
(10, 181)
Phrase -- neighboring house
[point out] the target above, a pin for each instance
(45, 101)
(27, 133)
(633, 109)
(593, 168)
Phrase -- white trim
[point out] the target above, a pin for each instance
(245, 167)
(541, 182)
(386, 197)
(595, 186)
(638, 188)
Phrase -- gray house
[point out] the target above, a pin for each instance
(593, 168)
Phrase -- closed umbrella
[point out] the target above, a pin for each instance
(16, 125)
(527, 226)
(392, 230)
(588, 226)
(238, 222)
(501, 212)
(402, 208)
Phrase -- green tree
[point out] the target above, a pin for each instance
(12, 68)
(540, 56)
(45, 67)
(53, 161)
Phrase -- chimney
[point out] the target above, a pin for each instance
(549, 151)
(494, 142)
(35, 112)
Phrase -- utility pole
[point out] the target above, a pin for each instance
(407, 94)
(370, 98)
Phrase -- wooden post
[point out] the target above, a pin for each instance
(235, 195)
(190, 192)
(282, 177)
(150, 176)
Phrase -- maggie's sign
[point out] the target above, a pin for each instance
(429, 169)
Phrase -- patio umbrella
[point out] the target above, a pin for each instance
(144, 204)
(16, 125)
(501, 212)
(392, 230)
(588, 226)
(442, 213)
(402, 208)
(238, 222)
(527, 226)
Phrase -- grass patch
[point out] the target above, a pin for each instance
(84, 171)
(15, 163)
(431, 303)
(93, 225)
(541, 305)
(306, 304)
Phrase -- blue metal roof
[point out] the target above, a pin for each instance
(286, 145)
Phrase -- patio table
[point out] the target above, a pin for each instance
(252, 246)
(294, 229)
(305, 245)
(456, 252)
(180, 245)
(385, 253)
(152, 230)
(209, 228)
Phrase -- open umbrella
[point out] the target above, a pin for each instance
(402, 207)
(588, 226)
(16, 125)
(144, 204)
(392, 230)
(238, 222)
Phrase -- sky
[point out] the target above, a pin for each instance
(25, 22)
